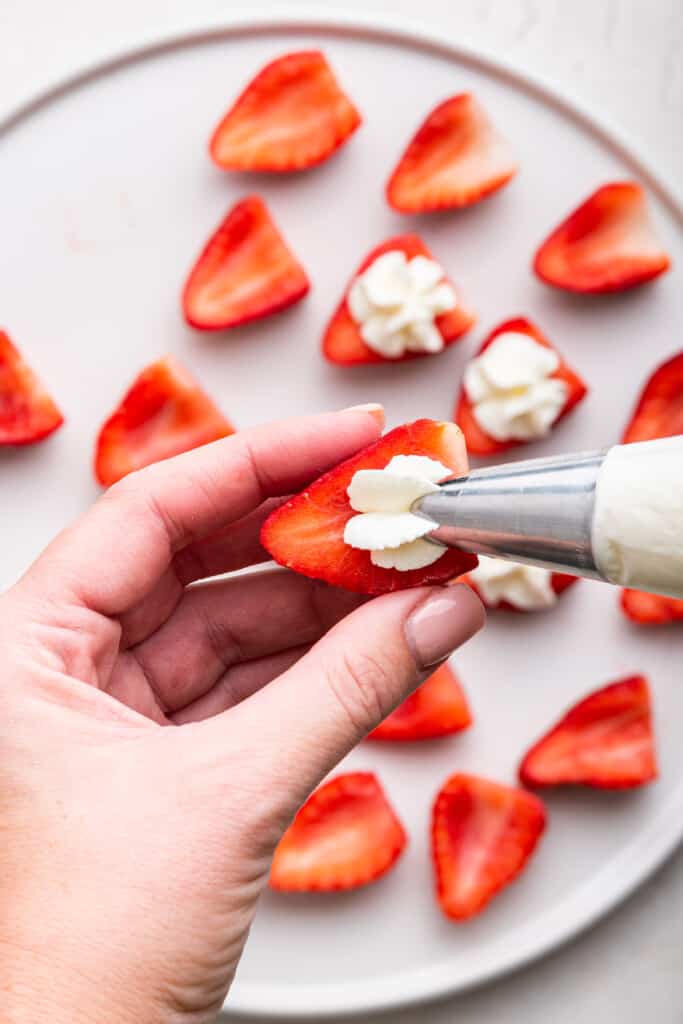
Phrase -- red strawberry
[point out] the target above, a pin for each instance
(437, 708)
(342, 342)
(606, 245)
(345, 835)
(245, 271)
(659, 412)
(291, 116)
(27, 413)
(164, 413)
(606, 741)
(307, 532)
(481, 443)
(560, 582)
(651, 609)
(483, 834)
(456, 158)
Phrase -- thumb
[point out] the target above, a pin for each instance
(318, 710)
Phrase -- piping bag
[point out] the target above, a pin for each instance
(614, 515)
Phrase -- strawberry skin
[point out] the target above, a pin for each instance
(27, 412)
(455, 159)
(483, 834)
(560, 582)
(306, 533)
(437, 708)
(481, 443)
(345, 835)
(342, 342)
(164, 413)
(292, 115)
(659, 412)
(606, 245)
(605, 741)
(651, 609)
(245, 271)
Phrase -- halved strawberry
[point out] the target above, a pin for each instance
(606, 245)
(306, 533)
(481, 443)
(605, 741)
(244, 272)
(27, 413)
(292, 115)
(483, 834)
(659, 412)
(455, 159)
(164, 413)
(437, 708)
(559, 581)
(345, 835)
(651, 609)
(342, 342)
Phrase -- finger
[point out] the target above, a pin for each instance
(220, 624)
(119, 549)
(315, 713)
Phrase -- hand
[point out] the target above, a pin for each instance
(132, 855)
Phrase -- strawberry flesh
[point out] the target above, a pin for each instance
(483, 834)
(651, 609)
(607, 244)
(605, 741)
(27, 412)
(292, 115)
(437, 708)
(345, 835)
(659, 412)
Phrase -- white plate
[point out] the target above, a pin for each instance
(107, 194)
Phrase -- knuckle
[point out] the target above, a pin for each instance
(362, 685)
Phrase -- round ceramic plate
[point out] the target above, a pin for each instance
(108, 194)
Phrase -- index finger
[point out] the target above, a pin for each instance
(111, 557)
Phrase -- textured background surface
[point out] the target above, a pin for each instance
(621, 57)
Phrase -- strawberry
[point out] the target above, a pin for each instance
(437, 708)
(342, 342)
(481, 443)
(659, 412)
(483, 834)
(245, 271)
(605, 741)
(606, 245)
(306, 533)
(164, 413)
(651, 609)
(345, 835)
(455, 159)
(559, 581)
(292, 115)
(27, 413)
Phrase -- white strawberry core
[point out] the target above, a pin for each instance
(527, 587)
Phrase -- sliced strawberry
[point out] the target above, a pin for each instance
(560, 582)
(659, 412)
(456, 158)
(481, 443)
(437, 708)
(651, 609)
(342, 342)
(483, 834)
(606, 741)
(27, 413)
(164, 413)
(292, 115)
(606, 245)
(245, 271)
(345, 835)
(307, 532)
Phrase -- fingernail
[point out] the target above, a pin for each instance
(443, 621)
(374, 408)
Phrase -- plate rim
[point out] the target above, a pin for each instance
(635, 865)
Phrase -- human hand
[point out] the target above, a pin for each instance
(132, 855)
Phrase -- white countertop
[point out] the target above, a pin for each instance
(623, 57)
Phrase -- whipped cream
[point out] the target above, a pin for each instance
(513, 395)
(395, 302)
(386, 527)
(637, 532)
(527, 587)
